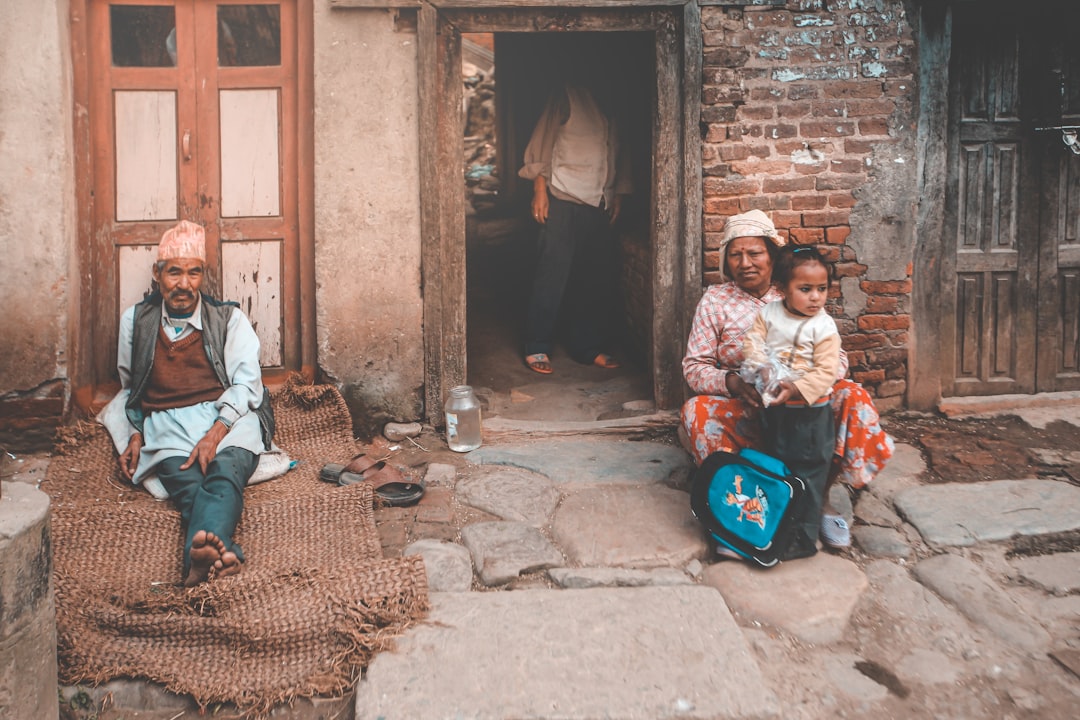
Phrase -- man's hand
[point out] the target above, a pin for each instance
(129, 459)
(540, 200)
(615, 209)
(206, 449)
(739, 388)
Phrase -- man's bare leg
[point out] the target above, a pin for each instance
(207, 551)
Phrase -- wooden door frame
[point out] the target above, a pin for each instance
(675, 230)
(89, 390)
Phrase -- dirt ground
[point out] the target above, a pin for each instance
(999, 448)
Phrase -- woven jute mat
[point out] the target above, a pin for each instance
(314, 601)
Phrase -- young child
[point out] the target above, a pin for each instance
(795, 338)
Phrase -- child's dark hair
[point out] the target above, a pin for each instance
(791, 257)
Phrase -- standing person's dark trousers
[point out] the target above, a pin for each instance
(803, 438)
(575, 259)
(212, 502)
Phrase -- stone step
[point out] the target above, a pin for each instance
(643, 653)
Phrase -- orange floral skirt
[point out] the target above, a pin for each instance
(862, 448)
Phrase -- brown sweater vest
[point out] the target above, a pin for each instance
(181, 374)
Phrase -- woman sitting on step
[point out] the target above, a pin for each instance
(722, 415)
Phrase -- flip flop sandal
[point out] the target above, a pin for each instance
(603, 360)
(391, 487)
(331, 472)
(536, 362)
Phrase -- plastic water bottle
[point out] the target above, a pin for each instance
(462, 419)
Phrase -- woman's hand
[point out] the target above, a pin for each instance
(739, 388)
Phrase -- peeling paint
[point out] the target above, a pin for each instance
(832, 72)
(874, 69)
(812, 20)
(807, 156)
(777, 54)
(812, 38)
(787, 75)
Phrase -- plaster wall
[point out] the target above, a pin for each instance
(37, 221)
(367, 213)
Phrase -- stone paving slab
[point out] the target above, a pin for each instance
(981, 600)
(810, 598)
(622, 654)
(503, 550)
(957, 514)
(592, 461)
(902, 471)
(628, 526)
(581, 578)
(1058, 574)
(510, 493)
(448, 565)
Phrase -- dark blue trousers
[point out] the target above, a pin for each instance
(212, 502)
(576, 263)
(803, 437)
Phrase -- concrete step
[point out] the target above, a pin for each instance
(644, 653)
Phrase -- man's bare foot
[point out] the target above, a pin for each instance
(229, 564)
(207, 551)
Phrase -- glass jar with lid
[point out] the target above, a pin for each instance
(462, 419)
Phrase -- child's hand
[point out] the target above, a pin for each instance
(786, 391)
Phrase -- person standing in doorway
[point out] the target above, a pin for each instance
(579, 176)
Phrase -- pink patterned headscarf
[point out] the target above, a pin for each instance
(753, 223)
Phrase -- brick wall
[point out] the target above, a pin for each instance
(795, 99)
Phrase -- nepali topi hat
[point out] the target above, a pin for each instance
(185, 240)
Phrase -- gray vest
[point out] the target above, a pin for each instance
(215, 323)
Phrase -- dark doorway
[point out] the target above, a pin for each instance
(501, 236)
(661, 45)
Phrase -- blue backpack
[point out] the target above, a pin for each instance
(750, 502)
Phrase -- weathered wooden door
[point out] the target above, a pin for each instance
(193, 115)
(1011, 257)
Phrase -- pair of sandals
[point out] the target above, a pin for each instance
(391, 487)
(541, 363)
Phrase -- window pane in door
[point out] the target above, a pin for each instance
(146, 180)
(249, 35)
(143, 35)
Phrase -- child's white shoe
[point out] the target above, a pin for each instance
(835, 531)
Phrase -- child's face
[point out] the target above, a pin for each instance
(808, 289)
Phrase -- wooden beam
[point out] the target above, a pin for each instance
(450, 184)
(374, 4)
(526, 4)
(554, 20)
(547, 4)
(430, 241)
(667, 149)
(691, 282)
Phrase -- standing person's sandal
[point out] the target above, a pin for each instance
(540, 363)
(605, 361)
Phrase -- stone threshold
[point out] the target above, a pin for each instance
(975, 405)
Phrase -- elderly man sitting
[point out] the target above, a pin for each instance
(195, 411)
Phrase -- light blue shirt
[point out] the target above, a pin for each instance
(174, 433)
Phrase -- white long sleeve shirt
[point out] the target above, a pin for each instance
(175, 432)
